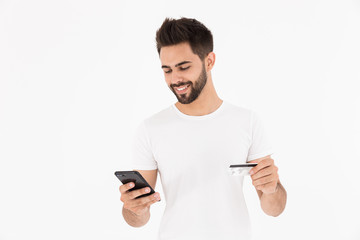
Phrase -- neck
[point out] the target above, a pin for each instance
(207, 102)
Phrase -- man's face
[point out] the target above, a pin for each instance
(185, 73)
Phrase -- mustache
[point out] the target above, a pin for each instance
(180, 84)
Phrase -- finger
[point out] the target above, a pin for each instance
(263, 164)
(152, 202)
(136, 193)
(125, 187)
(264, 172)
(153, 198)
(264, 180)
(141, 208)
(143, 201)
(259, 159)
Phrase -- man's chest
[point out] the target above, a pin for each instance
(185, 147)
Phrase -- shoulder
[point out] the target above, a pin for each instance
(159, 118)
(239, 111)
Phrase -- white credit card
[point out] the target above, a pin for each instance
(241, 169)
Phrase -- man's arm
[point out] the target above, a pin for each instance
(139, 216)
(266, 180)
(273, 204)
(136, 220)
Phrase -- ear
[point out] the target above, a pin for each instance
(210, 61)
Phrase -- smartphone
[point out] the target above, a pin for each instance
(135, 177)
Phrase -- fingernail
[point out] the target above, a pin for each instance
(131, 184)
(251, 172)
(147, 190)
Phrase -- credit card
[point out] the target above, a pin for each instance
(244, 165)
(241, 169)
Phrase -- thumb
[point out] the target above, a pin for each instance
(259, 159)
(254, 161)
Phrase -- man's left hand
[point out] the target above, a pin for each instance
(265, 175)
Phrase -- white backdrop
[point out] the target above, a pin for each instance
(77, 77)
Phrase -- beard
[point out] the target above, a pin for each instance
(194, 89)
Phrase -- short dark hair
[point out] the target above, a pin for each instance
(175, 31)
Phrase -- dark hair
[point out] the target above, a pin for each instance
(175, 31)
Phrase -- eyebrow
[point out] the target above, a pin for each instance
(179, 64)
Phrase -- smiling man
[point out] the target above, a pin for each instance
(192, 143)
(182, 88)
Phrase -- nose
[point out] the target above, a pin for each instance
(176, 77)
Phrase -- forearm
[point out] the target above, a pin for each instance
(274, 204)
(136, 220)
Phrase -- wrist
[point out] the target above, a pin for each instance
(269, 193)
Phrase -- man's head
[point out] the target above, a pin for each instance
(185, 48)
(188, 30)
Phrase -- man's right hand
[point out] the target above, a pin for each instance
(138, 206)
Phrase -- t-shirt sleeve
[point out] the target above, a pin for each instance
(260, 144)
(142, 154)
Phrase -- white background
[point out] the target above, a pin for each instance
(76, 78)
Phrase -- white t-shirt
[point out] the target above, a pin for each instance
(193, 155)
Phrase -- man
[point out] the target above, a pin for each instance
(193, 142)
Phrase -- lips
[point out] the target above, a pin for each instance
(182, 89)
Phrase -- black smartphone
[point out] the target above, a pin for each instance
(135, 177)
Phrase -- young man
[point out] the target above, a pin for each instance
(192, 143)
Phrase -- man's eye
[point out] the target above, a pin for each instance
(168, 71)
(182, 69)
